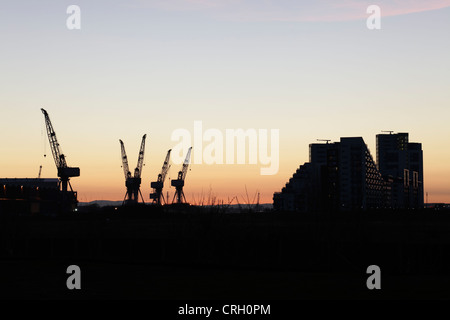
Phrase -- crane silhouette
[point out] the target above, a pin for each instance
(179, 182)
(133, 183)
(158, 185)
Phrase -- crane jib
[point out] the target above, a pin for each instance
(64, 171)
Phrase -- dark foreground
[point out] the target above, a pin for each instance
(209, 254)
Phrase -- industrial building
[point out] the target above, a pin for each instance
(343, 176)
(31, 196)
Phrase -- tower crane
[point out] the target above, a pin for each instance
(64, 172)
(159, 184)
(179, 182)
(133, 183)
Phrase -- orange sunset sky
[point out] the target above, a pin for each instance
(312, 69)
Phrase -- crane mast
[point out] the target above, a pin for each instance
(179, 182)
(185, 165)
(64, 172)
(138, 170)
(159, 184)
(59, 158)
(165, 168)
(126, 170)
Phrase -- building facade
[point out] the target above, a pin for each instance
(34, 196)
(343, 176)
(401, 164)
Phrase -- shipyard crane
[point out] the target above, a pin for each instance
(179, 182)
(159, 184)
(133, 183)
(64, 172)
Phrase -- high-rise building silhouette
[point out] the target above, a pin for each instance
(344, 176)
(401, 164)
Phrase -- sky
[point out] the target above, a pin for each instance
(310, 69)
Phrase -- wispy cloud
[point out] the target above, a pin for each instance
(295, 10)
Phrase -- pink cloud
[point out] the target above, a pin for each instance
(296, 10)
